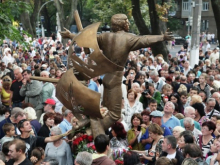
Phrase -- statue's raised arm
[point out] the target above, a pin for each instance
(67, 34)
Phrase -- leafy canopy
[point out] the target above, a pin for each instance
(9, 12)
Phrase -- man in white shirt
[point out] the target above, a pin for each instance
(186, 68)
(208, 46)
(7, 57)
(213, 37)
(156, 80)
(33, 53)
(169, 149)
(209, 37)
(189, 125)
(214, 56)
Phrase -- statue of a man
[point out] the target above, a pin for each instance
(116, 47)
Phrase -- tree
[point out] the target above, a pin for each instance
(66, 19)
(8, 16)
(29, 18)
(159, 48)
(216, 11)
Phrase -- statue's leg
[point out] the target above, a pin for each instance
(112, 100)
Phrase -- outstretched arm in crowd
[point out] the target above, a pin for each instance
(57, 137)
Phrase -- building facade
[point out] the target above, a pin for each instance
(207, 20)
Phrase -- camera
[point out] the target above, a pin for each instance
(146, 89)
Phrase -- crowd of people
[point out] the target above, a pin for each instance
(170, 111)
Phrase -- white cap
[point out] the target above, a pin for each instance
(44, 66)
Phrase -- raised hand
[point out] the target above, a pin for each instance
(168, 36)
(66, 33)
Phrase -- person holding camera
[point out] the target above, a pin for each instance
(135, 133)
(150, 93)
(130, 78)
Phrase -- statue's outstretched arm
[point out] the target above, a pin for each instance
(67, 34)
(138, 42)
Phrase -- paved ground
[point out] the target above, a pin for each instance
(178, 47)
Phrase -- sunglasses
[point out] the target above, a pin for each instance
(6, 80)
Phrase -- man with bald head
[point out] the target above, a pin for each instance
(190, 112)
(216, 96)
(17, 99)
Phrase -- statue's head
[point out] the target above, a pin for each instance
(119, 22)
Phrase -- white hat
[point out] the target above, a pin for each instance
(44, 66)
(6, 50)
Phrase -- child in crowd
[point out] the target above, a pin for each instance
(9, 130)
(167, 90)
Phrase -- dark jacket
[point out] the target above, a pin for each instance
(44, 131)
(179, 156)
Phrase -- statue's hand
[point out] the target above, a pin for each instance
(66, 33)
(168, 36)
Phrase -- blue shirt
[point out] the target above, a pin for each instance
(146, 135)
(93, 86)
(171, 123)
(65, 126)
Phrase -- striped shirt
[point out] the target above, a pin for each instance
(205, 148)
(216, 113)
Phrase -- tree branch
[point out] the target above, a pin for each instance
(138, 19)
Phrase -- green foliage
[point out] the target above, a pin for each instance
(173, 24)
(9, 11)
(102, 11)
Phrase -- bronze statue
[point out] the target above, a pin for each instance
(109, 52)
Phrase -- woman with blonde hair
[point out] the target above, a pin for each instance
(6, 94)
(23, 66)
(177, 131)
(195, 99)
(32, 117)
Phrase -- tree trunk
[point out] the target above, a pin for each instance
(216, 11)
(70, 19)
(60, 11)
(47, 23)
(26, 22)
(33, 18)
(160, 47)
(65, 22)
(138, 19)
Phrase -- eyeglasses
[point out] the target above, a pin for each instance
(3, 66)
(6, 80)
